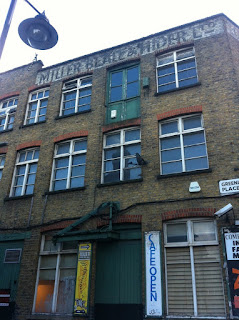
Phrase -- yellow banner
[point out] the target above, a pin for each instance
(82, 279)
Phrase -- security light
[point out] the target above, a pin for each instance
(223, 210)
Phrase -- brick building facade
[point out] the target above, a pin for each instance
(121, 158)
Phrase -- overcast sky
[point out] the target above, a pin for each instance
(88, 26)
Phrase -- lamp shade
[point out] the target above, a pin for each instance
(38, 33)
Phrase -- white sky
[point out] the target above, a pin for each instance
(88, 26)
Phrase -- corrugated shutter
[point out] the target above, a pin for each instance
(209, 286)
(179, 281)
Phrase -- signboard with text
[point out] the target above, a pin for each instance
(229, 186)
(153, 274)
(82, 279)
(232, 251)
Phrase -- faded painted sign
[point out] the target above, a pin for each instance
(153, 274)
(82, 279)
(134, 49)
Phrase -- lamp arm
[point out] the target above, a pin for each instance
(33, 7)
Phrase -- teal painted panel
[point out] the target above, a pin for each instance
(9, 271)
(125, 110)
(132, 109)
(118, 272)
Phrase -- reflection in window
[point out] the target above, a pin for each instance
(69, 165)
(2, 162)
(176, 69)
(7, 113)
(25, 172)
(183, 145)
(119, 158)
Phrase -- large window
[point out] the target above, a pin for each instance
(76, 96)
(176, 69)
(123, 94)
(2, 162)
(120, 155)
(25, 172)
(36, 108)
(56, 277)
(69, 165)
(7, 113)
(183, 145)
(193, 270)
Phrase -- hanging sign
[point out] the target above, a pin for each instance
(82, 279)
(232, 250)
(153, 274)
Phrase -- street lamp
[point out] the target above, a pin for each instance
(35, 32)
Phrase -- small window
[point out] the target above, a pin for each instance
(2, 162)
(25, 172)
(69, 165)
(12, 255)
(176, 69)
(76, 96)
(183, 145)
(37, 106)
(7, 113)
(119, 157)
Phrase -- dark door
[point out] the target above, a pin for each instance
(118, 281)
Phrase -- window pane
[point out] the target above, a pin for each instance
(172, 167)
(22, 156)
(131, 174)
(165, 59)
(80, 145)
(29, 189)
(17, 191)
(66, 291)
(116, 78)
(59, 185)
(166, 79)
(177, 232)
(31, 179)
(36, 154)
(21, 170)
(112, 165)
(133, 74)
(191, 73)
(85, 92)
(187, 64)
(131, 162)
(188, 82)
(195, 151)
(33, 168)
(78, 171)
(132, 149)
(196, 164)
(169, 143)
(79, 159)
(132, 135)
(63, 148)
(132, 89)
(167, 87)
(113, 139)
(169, 127)
(61, 174)
(171, 155)
(87, 81)
(193, 138)
(185, 53)
(204, 231)
(44, 298)
(166, 70)
(112, 153)
(193, 122)
(62, 162)
(77, 182)
(112, 176)
(19, 181)
(116, 94)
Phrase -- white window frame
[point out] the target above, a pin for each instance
(71, 86)
(58, 252)
(63, 155)
(122, 144)
(181, 132)
(2, 162)
(27, 164)
(8, 111)
(191, 244)
(37, 100)
(175, 65)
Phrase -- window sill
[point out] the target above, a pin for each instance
(118, 183)
(64, 191)
(159, 177)
(72, 114)
(31, 124)
(178, 89)
(26, 196)
(7, 130)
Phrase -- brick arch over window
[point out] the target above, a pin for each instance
(177, 112)
(70, 135)
(29, 144)
(121, 125)
(3, 150)
(188, 213)
(9, 95)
